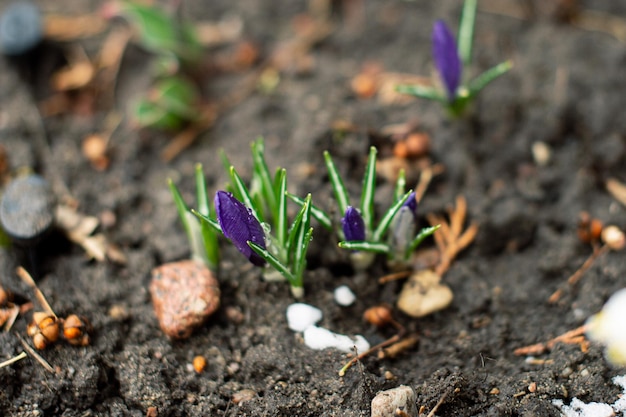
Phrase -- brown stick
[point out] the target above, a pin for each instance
(13, 360)
(35, 355)
(575, 336)
(25, 276)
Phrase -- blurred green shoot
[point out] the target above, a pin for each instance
(456, 91)
(161, 33)
(172, 103)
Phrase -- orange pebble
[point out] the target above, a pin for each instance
(199, 363)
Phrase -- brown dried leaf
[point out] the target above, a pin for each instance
(79, 227)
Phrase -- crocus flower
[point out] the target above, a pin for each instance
(239, 225)
(353, 225)
(446, 56)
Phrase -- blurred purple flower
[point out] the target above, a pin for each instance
(239, 225)
(353, 225)
(446, 56)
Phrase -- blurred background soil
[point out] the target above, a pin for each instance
(566, 91)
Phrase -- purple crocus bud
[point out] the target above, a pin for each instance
(239, 225)
(411, 204)
(446, 56)
(353, 225)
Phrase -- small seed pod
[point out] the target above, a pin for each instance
(379, 316)
(44, 329)
(589, 229)
(76, 330)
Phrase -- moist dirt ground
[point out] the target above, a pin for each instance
(566, 90)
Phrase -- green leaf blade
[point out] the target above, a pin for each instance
(385, 222)
(318, 214)
(368, 191)
(376, 247)
(480, 82)
(422, 91)
(341, 194)
(465, 38)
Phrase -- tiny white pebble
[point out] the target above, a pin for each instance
(541, 153)
(300, 316)
(319, 338)
(344, 296)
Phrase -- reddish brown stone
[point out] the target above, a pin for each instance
(184, 294)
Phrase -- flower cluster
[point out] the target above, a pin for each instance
(246, 217)
(449, 60)
(394, 235)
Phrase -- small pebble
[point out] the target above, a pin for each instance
(27, 208)
(424, 294)
(319, 338)
(21, 28)
(344, 296)
(395, 402)
(300, 316)
(541, 153)
(184, 295)
(244, 395)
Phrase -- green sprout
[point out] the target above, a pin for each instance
(202, 237)
(246, 216)
(172, 103)
(449, 60)
(357, 231)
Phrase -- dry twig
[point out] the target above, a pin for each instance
(13, 360)
(572, 337)
(35, 355)
(576, 276)
(617, 190)
(451, 239)
(25, 276)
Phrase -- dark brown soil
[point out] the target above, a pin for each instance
(566, 89)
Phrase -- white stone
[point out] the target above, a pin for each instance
(319, 338)
(300, 316)
(388, 403)
(344, 296)
(577, 408)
